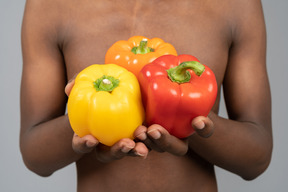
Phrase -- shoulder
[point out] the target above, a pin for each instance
(44, 19)
(242, 18)
(244, 11)
(48, 8)
(237, 11)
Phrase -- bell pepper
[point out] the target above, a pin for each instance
(105, 101)
(137, 52)
(175, 90)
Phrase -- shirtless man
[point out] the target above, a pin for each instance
(62, 37)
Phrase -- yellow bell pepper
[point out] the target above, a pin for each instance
(105, 101)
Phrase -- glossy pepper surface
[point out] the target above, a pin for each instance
(105, 101)
(137, 51)
(175, 90)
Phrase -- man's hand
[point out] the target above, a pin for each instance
(158, 138)
(203, 126)
(70, 85)
(105, 154)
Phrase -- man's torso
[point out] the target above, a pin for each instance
(200, 28)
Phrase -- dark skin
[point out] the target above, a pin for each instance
(60, 38)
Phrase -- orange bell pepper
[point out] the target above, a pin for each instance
(137, 52)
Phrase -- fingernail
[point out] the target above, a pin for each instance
(90, 144)
(200, 125)
(126, 149)
(155, 134)
(142, 136)
(140, 155)
(70, 80)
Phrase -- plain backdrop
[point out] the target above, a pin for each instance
(14, 176)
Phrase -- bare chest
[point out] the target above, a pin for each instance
(194, 30)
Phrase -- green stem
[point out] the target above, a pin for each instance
(179, 74)
(142, 48)
(106, 83)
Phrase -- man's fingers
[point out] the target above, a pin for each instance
(105, 154)
(139, 150)
(203, 126)
(69, 86)
(85, 144)
(140, 133)
(120, 149)
(163, 141)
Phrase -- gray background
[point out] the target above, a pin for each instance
(14, 176)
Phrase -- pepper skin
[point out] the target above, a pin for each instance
(173, 97)
(137, 52)
(105, 101)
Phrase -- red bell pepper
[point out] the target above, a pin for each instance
(175, 90)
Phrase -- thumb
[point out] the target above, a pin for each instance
(84, 144)
(70, 85)
(203, 126)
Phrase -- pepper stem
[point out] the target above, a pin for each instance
(106, 83)
(179, 74)
(142, 48)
